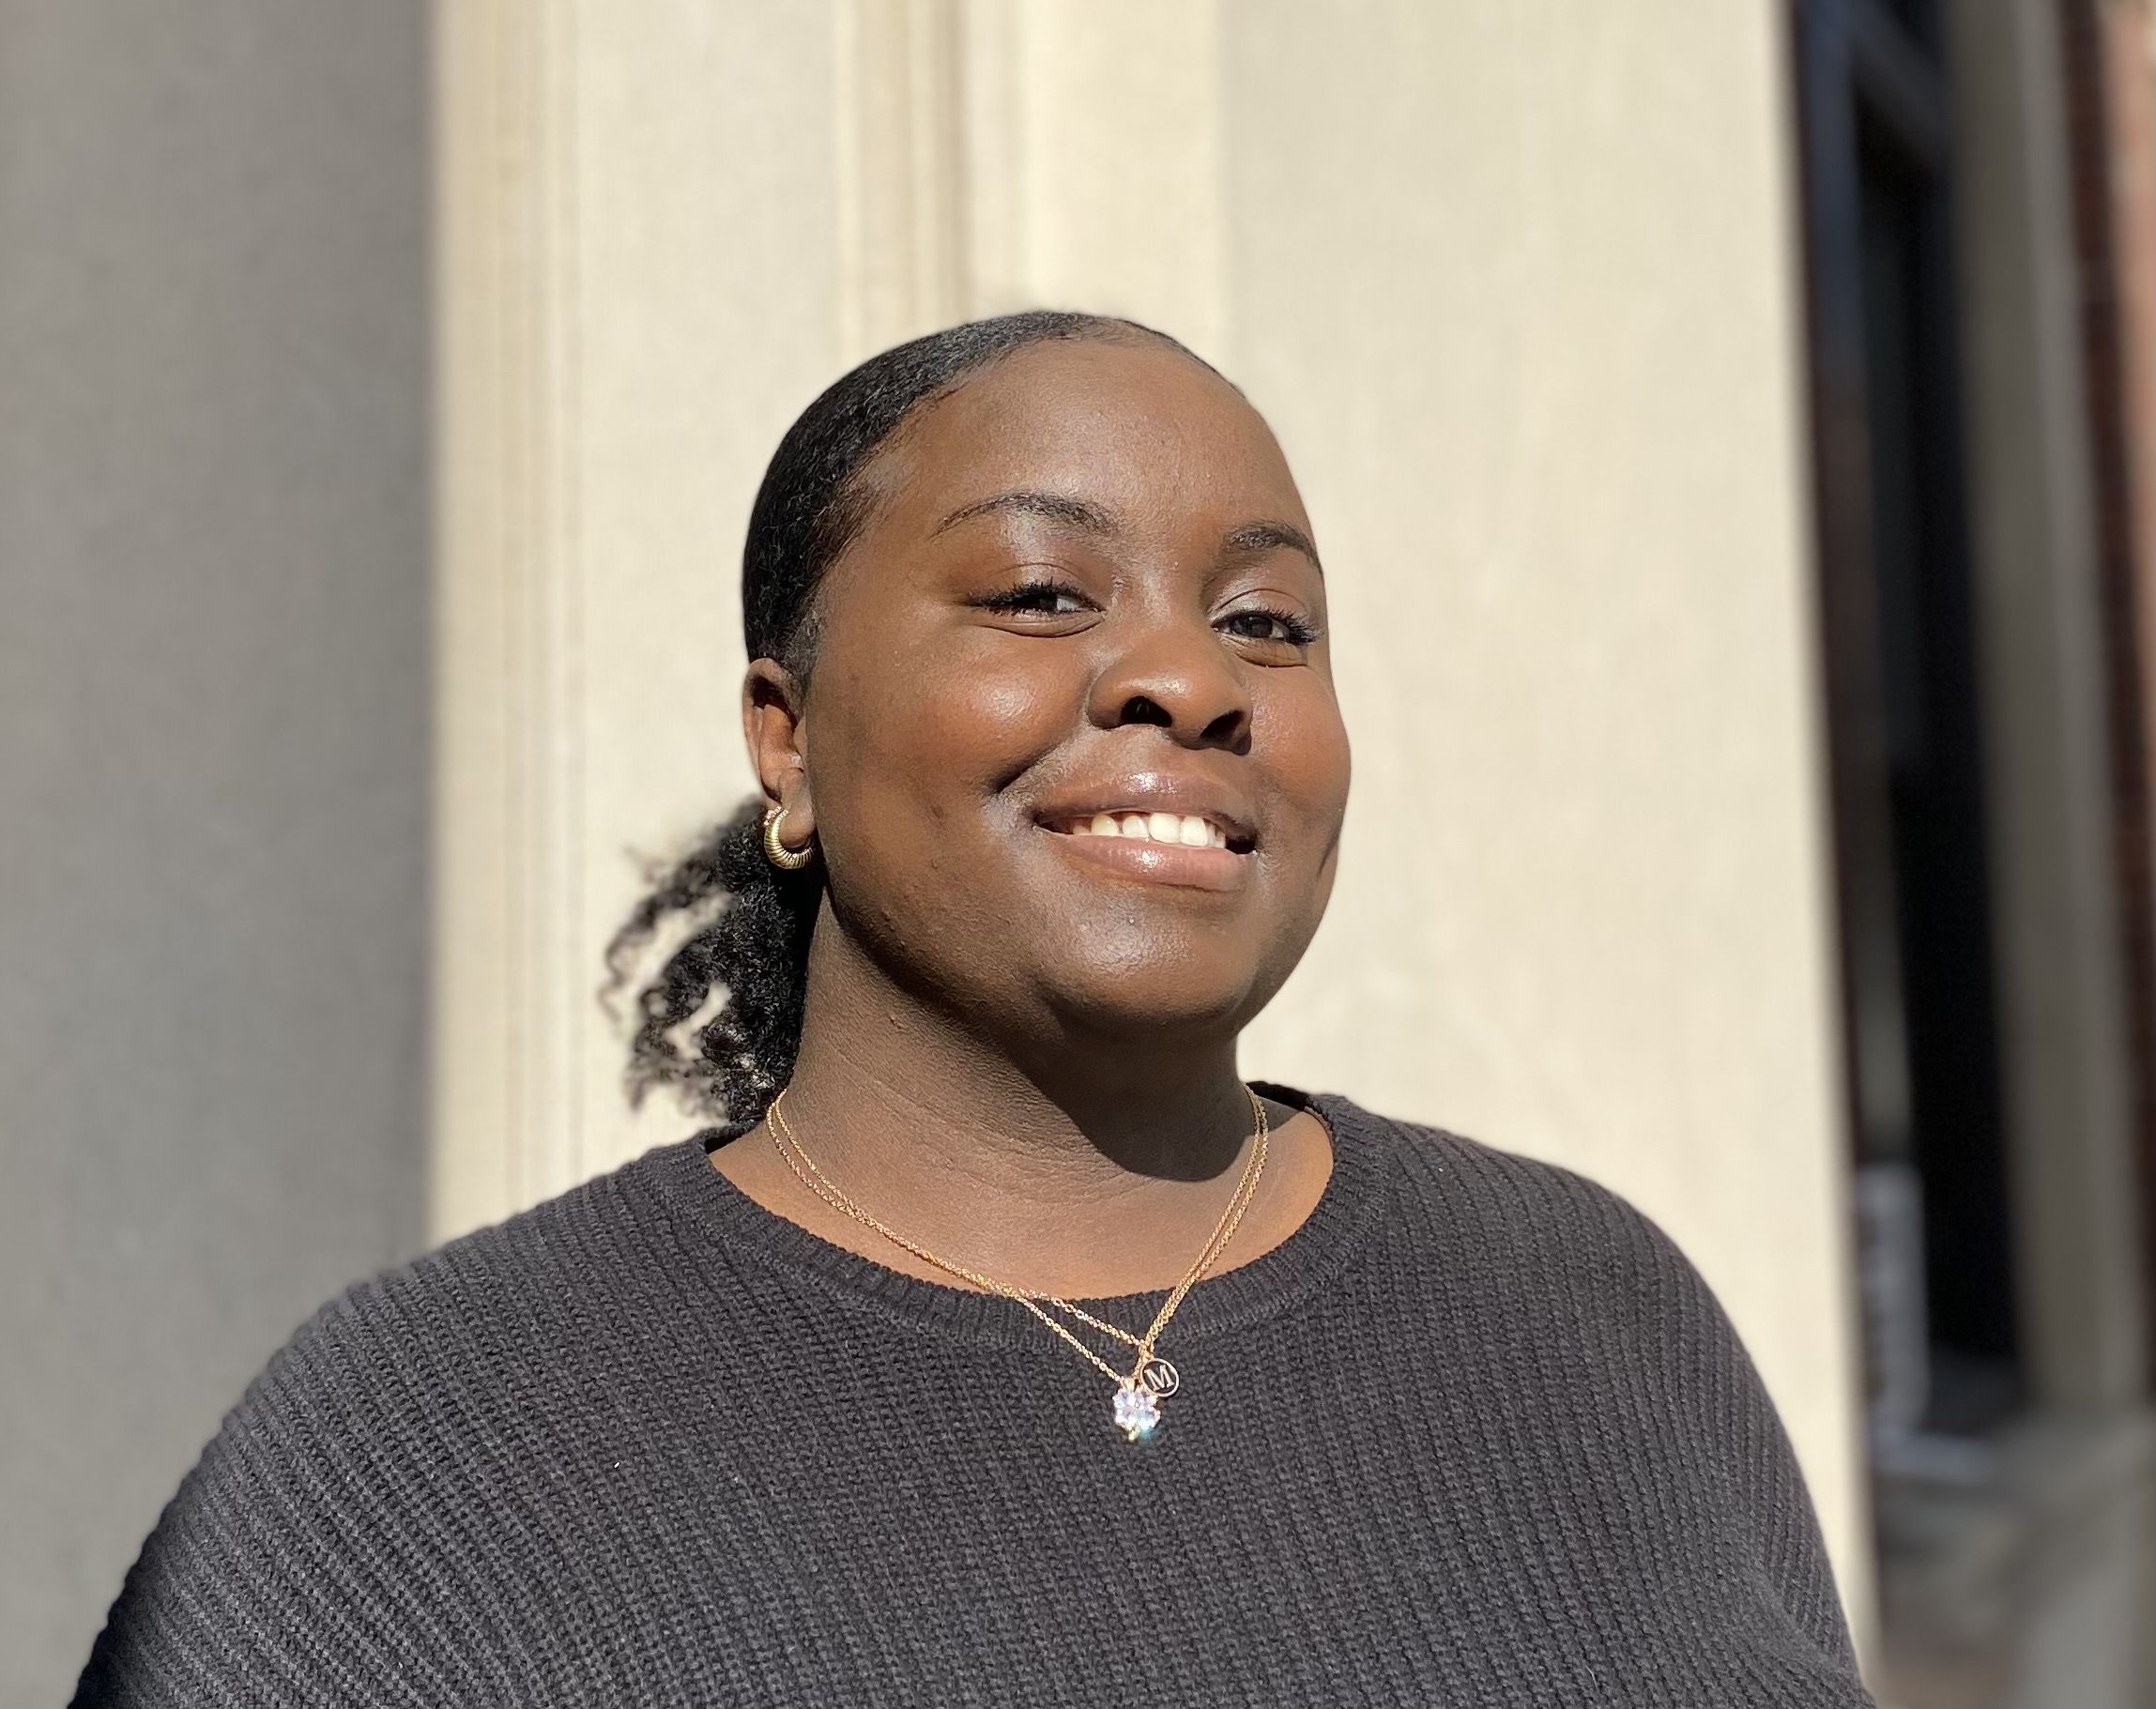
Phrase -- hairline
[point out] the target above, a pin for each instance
(856, 509)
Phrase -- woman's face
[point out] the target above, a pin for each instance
(1085, 586)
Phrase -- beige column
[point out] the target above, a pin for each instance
(1093, 174)
(638, 287)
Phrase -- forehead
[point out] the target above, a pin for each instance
(1136, 427)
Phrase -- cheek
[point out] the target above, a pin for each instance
(907, 781)
(1310, 769)
(928, 738)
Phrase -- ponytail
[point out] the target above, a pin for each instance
(754, 951)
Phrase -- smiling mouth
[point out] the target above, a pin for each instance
(1182, 850)
(1176, 830)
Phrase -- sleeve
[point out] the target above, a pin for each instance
(272, 1576)
(1741, 1442)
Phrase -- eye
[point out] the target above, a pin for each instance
(1040, 595)
(1273, 625)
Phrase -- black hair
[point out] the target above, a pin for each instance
(752, 953)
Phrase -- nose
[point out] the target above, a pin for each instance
(1180, 676)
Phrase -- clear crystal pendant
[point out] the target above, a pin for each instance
(1136, 1412)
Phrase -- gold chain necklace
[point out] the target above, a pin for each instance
(1151, 1379)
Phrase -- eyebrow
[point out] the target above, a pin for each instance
(1054, 505)
(1248, 540)
(1255, 537)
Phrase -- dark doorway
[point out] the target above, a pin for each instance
(1902, 704)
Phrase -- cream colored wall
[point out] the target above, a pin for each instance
(1515, 285)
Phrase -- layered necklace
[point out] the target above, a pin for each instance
(1150, 1378)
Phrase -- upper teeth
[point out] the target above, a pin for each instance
(1188, 828)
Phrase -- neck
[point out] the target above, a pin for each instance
(1044, 1158)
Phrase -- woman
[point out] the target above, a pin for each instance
(1016, 1352)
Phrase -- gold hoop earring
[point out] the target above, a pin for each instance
(793, 860)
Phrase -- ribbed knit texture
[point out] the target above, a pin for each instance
(1475, 1434)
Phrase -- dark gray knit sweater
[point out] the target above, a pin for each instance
(1475, 1434)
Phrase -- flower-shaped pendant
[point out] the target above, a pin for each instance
(1136, 1410)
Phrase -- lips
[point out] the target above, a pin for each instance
(1155, 827)
(1152, 806)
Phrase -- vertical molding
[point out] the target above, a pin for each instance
(558, 1120)
(903, 265)
(998, 155)
(509, 755)
(635, 292)
(993, 159)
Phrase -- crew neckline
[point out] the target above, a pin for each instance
(714, 1208)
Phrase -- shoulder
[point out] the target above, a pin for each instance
(337, 1494)
(1519, 1251)
(423, 1343)
(1519, 1214)
(1509, 1250)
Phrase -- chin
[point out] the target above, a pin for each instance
(1120, 1002)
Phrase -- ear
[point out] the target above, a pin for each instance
(773, 722)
